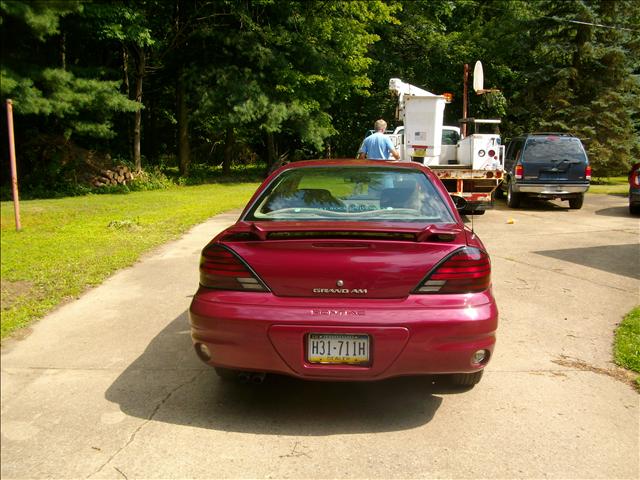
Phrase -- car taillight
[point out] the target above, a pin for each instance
(466, 271)
(587, 172)
(222, 269)
(634, 178)
(519, 172)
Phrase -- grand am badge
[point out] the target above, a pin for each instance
(342, 291)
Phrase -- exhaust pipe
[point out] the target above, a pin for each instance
(252, 377)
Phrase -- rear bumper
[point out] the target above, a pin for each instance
(634, 196)
(422, 334)
(550, 189)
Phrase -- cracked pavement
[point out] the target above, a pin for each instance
(108, 386)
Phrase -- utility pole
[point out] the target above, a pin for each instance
(465, 94)
(12, 160)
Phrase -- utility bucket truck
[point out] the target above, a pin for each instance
(470, 168)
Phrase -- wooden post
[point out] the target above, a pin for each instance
(12, 160)
(465, 94)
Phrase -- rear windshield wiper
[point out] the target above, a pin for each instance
(565, 160)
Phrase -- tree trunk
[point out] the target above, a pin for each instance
(228, 150)
(126, 89)
(184, 152)
(63, 50)
(151, 143)
(140, 58)
(271, 150)
(182, 114)
(328, 152)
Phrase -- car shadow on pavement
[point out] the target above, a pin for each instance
(622, 211)
(619, 259)
(167, 383)
(535, 204)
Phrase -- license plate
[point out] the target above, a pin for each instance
(330, 348)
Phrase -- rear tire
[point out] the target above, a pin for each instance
(634, 209)
(513, 198)
(466, 379)
(575, 203)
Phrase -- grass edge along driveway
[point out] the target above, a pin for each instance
(627, 343)
(71, 244)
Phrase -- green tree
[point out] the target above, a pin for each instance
(226, 80)
(553, 72)
(68, 99)
(127, 25)
(579, 79)
(282, 70)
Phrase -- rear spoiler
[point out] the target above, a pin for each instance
(296, 230)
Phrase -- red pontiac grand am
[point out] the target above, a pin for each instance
(346, 270)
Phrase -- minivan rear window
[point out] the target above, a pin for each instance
(554, 149)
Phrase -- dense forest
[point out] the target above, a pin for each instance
(181, 84)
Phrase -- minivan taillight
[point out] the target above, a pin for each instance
(634, 178)
(466, 271)
(222, 269)
(587, 172)
(519, 172)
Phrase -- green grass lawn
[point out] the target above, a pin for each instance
(67, 245)
(627, 342)
(609, 186)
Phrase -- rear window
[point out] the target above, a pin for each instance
(554, 149)
(351, 194)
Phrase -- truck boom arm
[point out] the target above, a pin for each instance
(401, 89)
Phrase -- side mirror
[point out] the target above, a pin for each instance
(459, 202)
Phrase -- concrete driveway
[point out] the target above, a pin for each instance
(108, 386)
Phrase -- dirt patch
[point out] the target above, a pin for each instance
(10, 292)
(618, 373)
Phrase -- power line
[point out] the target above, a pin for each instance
(565, 20)
(599, 25)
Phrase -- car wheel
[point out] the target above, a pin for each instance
(575, 203)
(513, 198)
(226, 373)
(466, 379)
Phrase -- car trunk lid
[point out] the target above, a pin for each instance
(316, 259)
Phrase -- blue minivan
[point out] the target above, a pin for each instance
(545, 165)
